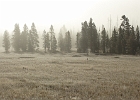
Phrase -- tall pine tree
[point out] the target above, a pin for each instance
(114, 42)
(78, 43)
(133, 42)
(119, 41)
(16, 38)
(126, 26)
(84, 37)
(53, 41)
(6, 41)
(48, 41)
(67, 42)
(51, 37)
(138, 37)
(54, 44)
(44, 40)
(24, 38)
(107, 43)
(61, 41)
(103, 40)
(92, 37)
(33, 43)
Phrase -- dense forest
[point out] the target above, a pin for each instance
(28, 40)
(124, 40)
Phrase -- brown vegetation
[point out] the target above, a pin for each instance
(63, 77)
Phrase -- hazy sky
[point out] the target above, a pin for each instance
(66, 12)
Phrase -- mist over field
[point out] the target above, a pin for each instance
(66, 12)
(69, 50)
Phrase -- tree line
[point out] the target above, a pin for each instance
(28, 40)
(124, 40)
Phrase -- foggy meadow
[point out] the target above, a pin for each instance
(62, 54)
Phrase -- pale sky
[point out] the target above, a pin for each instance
(70, 13)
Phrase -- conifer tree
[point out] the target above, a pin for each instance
(92, 37)
(67, 42)
(30, 42)
(16, 38)
(133, 42)
(103, 40)
(33, 39)
(119, 41)
(107, 43)
(61, 42)
(126, 26)
(88, 38)
(51, 37)
(84, 37)
(138, 37)
(54, 44)
(48, 41)
(24, 38)
(114, 41)
(44, 40)
(53, 41)
(98, 42)
(95, 38)
(123, 42)
(78, 44)
(6, 41)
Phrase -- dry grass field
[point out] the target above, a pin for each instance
(67, 77)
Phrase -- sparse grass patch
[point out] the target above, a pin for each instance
(26, 57)
(76, 56)
(116, 57)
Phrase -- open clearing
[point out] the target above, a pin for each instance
(68, 77)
